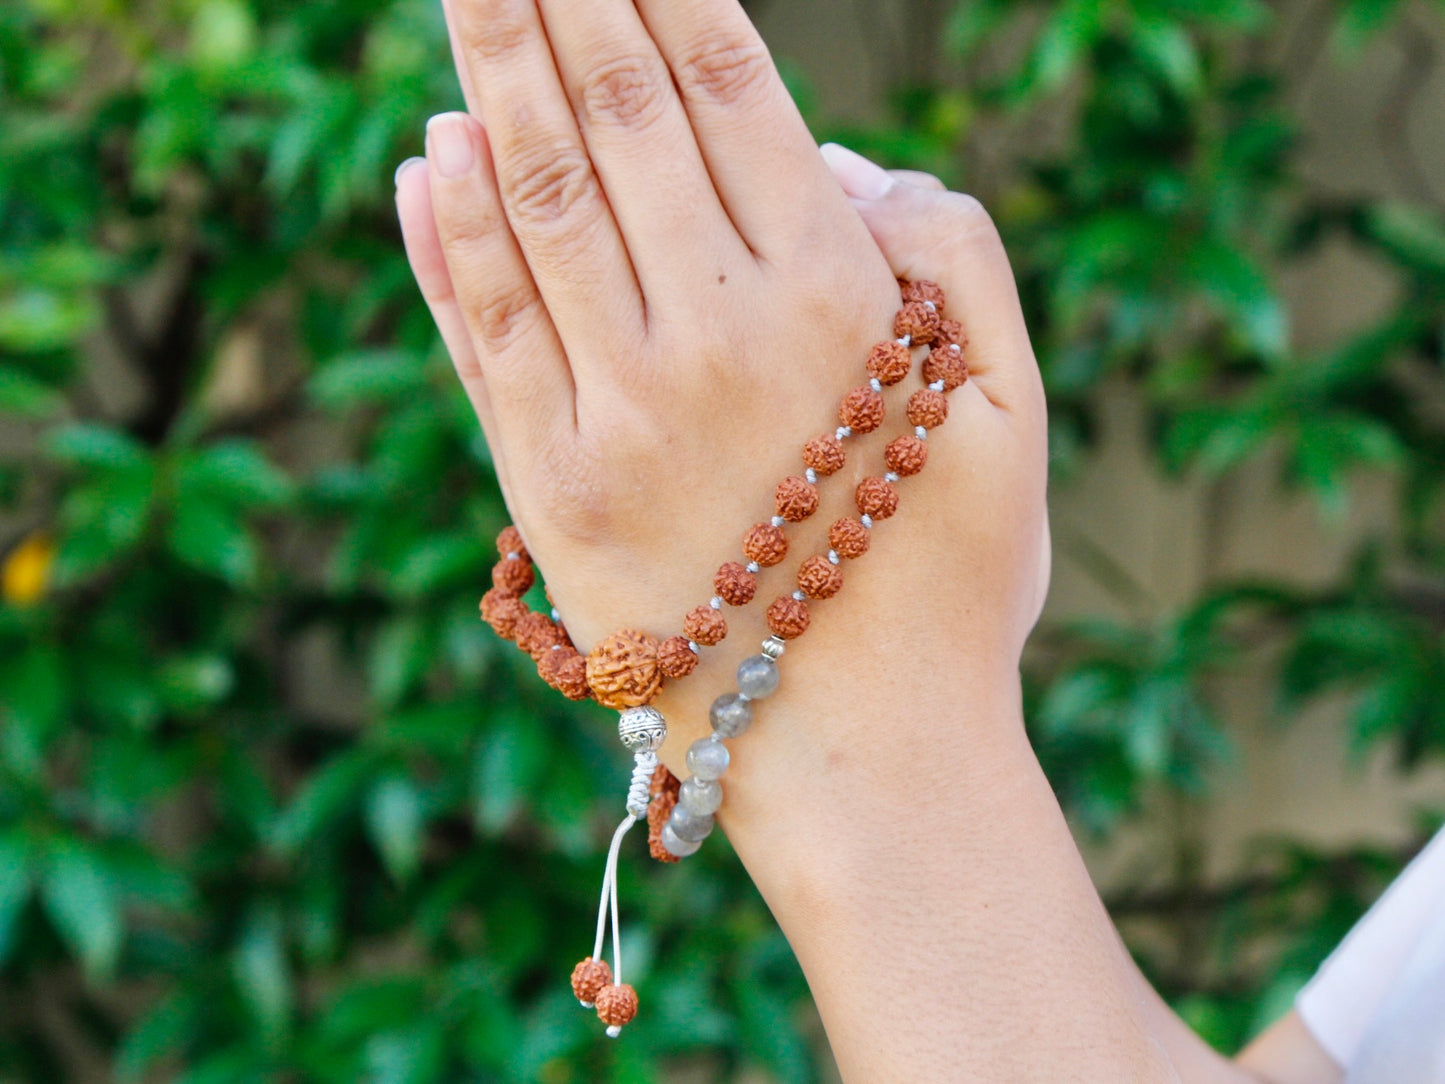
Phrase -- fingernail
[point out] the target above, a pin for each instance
(413, 160)
(449, 144)
(859, 177)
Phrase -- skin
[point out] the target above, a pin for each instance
(655, 289)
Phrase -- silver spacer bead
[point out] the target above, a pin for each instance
(754, 567)
(867, 521)
(715, 602)
(843, 432)
(692, 646)
(773, 648)
(514, 556)
(642, 730)
(778, 521)
(891, 476)
(811, 475)
(955, 348)
(555, 615)
(930, 306)
(876, 384)
(833, 558)
(907, 340)
(800, 596)
(937, 385)
(920, 432)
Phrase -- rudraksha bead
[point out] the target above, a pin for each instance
(674, 658)
(658, 812)
(765, 544)
(876, 497)
(705, 626)
(819, 577)
(796, 499)
(572, 676)
(589, 978)
(945, 363)
(862, 410)
(549, 666)
(535, 633)
(515, 577)
(918, 322)
(734, 584)
(906, 455)
(501, 611)
(663, 782)
(788, 617)
(622, 670)
(889, 362)
(825, 454)
(617, 1005)
(510, 541)
(951, 333)
(923, 290)
(927, 408)
(849, 538)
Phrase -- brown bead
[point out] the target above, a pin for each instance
(513, 575)
(589, 978)
(705, 626)
(819, 577)
(734, 584)
(923, 290)
(663, 782)
(501, 610)
(862, 410)
(572, 676)
(617, 1005)
(917, 321)
(674, 658)
(658, 810)
(849, 538)
(535, 633)
(788, 617)
(622, 670)
(796, 499)
(951, 333)
(876, 497)
(946, 363)
(510, 541)
(550, 664)
(825, 454)
(907, 455)
(765, 544)
(927, 408)
(889, 362)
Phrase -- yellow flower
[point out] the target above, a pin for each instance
(26, 572)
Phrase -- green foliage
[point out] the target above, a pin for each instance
(274, 805)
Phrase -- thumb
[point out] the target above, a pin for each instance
(926, 232)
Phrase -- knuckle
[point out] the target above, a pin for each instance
(725, 71)
(548, 182)
(503, 318)
(494, 35)
(625, 92)
(971, 215)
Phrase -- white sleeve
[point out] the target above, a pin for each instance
(1339, 1004)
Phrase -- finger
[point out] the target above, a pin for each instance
(918, 179)
(642, 145)
(948, 237)
(549, 190)
(464, 74)
(522, 366)
(758, 150)
(429, 266)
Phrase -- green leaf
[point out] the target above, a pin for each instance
(211, 538)
(1362, 20)
(15, 888)
(326, 796)
(80, 897)
(395, 822)
(376, 376)
(97, 447)
(24, 396)
(400, 656)
(1243, 291)
(164, 1032)
(1415, 235)
(261, 971)
(435, 563)
(509, 766)
(234, 473)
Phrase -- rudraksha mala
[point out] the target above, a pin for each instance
(626, 670)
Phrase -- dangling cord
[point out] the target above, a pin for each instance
(638, 796)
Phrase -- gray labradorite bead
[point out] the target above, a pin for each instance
(678, 848)
(690, 827)
(708, 758)
(730, 715)
(700, 796)
(757, 677)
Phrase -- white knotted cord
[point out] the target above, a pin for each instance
(638, 796)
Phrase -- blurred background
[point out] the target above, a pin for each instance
(276, 806)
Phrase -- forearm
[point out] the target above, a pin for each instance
(939, 907)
